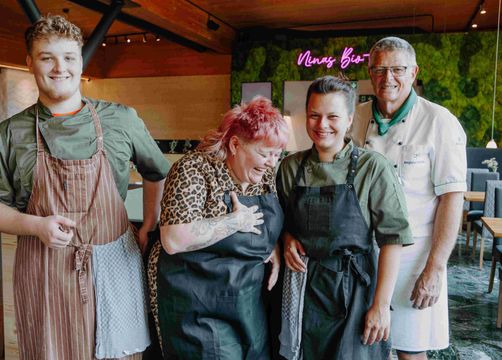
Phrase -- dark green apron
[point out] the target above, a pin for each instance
(210, 301)
(341, 270)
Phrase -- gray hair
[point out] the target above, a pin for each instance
(393, 43)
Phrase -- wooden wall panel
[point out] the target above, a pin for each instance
(182, 107)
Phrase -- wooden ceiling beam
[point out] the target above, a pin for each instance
(188, 21)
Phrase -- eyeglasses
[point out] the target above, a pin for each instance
(396, 71)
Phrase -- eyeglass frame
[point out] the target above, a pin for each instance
(392, 69)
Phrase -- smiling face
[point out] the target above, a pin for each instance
(56, 64)
(391, 90)
(328, 119)
(249, 161)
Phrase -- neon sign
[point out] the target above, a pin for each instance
(348, 57)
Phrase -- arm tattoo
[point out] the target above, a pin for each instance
(210, 231)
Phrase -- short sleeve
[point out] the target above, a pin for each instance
(387, 205)
(149, 160)
(7, 195)
(449, 159)
(184, 193)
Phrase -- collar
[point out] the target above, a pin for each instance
(400, 114)
(342, 154)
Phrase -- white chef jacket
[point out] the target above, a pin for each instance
(428, 149)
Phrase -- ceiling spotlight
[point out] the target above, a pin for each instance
(157, 38)
(212, 25)
(474, 26)
(144, 38)
(127, 40)
(103, 43)
(482, 11)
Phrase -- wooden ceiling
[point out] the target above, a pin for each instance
(188, 18)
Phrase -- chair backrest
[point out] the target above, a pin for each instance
(468, 180)
(478, 183)
(498, 210)
(489, 210)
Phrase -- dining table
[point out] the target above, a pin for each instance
(493, 225)
(474, 196)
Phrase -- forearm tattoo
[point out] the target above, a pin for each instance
(210, 231)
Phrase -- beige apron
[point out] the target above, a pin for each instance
(53, 288)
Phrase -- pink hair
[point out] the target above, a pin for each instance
(255, 121)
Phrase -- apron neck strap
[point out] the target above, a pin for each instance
(40, 145)
(97, 124)
(353, 165)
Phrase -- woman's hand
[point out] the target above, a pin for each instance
(247, 217)
(292, 251)
(275, 259)
(377, 324)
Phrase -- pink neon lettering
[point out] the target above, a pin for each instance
(348, 57)
(306, 59)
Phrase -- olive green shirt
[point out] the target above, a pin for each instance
(376, 183)
(73, 137)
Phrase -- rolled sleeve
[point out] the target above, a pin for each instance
(185, 193)
(388, 207)
(449, 158)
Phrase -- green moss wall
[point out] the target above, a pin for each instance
(456, 71)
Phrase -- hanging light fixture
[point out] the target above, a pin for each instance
(482, 8)
(492, 144)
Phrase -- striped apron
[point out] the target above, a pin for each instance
(54, 297)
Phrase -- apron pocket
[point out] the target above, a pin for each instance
(121, 302)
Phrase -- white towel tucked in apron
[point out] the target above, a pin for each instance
(121, 300)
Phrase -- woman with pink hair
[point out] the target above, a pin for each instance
(219, 225)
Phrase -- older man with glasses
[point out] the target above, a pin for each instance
(426, 143)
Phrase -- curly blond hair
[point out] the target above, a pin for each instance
(52, 25)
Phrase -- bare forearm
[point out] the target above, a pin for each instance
(17, 223)
(199, 234)
(446, 223)
(388, 269)
(152, 196)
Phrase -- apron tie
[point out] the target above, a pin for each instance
(356, 268)
(82, 255)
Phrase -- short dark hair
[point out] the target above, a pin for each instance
(52, 25)
(329, 84)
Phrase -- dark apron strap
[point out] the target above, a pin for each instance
(353, 166)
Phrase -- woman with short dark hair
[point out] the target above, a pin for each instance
(337, 197)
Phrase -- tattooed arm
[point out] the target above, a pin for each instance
(203, 233)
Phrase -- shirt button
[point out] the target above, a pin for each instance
(395, 165)
(403, 121)
(400, 143)
(372, 121)
(367, 142)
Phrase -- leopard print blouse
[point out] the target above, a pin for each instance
(195, 187)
